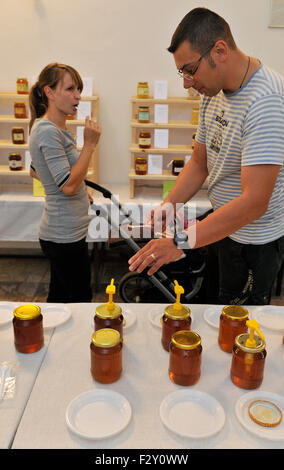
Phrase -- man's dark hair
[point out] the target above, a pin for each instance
(201, 28)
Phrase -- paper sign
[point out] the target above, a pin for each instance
(167, 186)
(80, 136)
(38, 189)
(161, 89)
(155, 164)
(84, 109)
(161, 113)
(87, 86)
(27, 160)
(161, 138)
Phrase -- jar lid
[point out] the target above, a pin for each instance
(22, 78)
(103, 311)
(27, 312)
(236, 312)
(143, 107)
(181, 314)
(106, 338)
(18, 129)
(21, 103)
(185, 339)
(14, 155)
(143, 83)
(242, 339)
(179, 159)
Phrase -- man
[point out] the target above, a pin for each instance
(240, 146)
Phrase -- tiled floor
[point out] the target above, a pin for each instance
(26, 279)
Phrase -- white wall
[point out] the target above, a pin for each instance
(119, 42)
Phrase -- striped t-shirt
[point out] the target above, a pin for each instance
(240, 129)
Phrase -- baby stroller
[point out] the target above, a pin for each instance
(158, 288)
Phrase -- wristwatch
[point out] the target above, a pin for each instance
(181, 240)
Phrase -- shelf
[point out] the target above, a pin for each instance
(12, 120)
(182, 149)
(12, 95)
(172, 100)
(5, 171)
(168, 125)
(8, 144)
(165, 176)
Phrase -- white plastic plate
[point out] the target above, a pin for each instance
(270, 317)
(129, 317)
(98, 414)
(192, 414)
(155, 315)
(275, 433)
(54, 315)
(212, 315)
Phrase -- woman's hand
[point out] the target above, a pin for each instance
(92, 133)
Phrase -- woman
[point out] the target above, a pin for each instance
(61, 169)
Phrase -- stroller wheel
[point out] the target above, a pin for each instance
(133, 287)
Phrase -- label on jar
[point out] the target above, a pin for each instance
(15, 164)
(141, 166)
(18, 136)
(177, 169)
(22, 87)
(142, 91)
(143, 116)
(144, 141)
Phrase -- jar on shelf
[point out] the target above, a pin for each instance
(177, 166)
(141, 166)
(176, 317)
(18, 135)
(143, 114)
(109, 315)
(142, 90)
(22, 86)
(144, 141)
(195, 115)
(233, 322)
(248, 358)
(106, 355)
(28, 328)
(20, 111)
(193, 140)
(185, 357)
(15, 161)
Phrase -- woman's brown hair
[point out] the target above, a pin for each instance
(49, 76)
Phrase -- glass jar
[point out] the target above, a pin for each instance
(22, 86)
(106, 355)
(109, 318)
(28, 328)
(142, 90)
(177, 166)
(174, 320)
(20, 111)
(15, 161)
(193, 140)
(248, 363)
(232, 323)
(18, 135)
(185, 358)
(195, 115)
(141, 166)
(143, 114)
(144, 139)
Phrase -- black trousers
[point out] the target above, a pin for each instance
(240, 273)
(70, 271)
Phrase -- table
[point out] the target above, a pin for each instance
(26, 367)
(65, 373)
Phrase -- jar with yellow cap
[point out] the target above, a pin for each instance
(109, 315)
(248, 358)
(106, 355)
(232, 323)
(176, 317)
(142, 90)
(185, 357)
(28, 328)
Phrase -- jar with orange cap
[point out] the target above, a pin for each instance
(109, 315)
(28, 328)
(106, 355)
(185, 357)
(232, 323)
(176, 317)
(248, 358)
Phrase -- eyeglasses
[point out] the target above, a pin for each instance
(188, 74)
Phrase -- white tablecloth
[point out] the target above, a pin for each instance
(65, 373)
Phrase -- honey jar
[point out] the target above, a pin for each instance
(176, 317)
(18, 135)
(144, 139)
(109, 315)
(142, 90)
(22, 86)
(15, 161)
(20, 110)
(177, 166)
(28, 328)
(185, 357)
(106, 355)
(248, 358)
(232, 323)
(143, 114)
(195, 116)
(141, 166)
